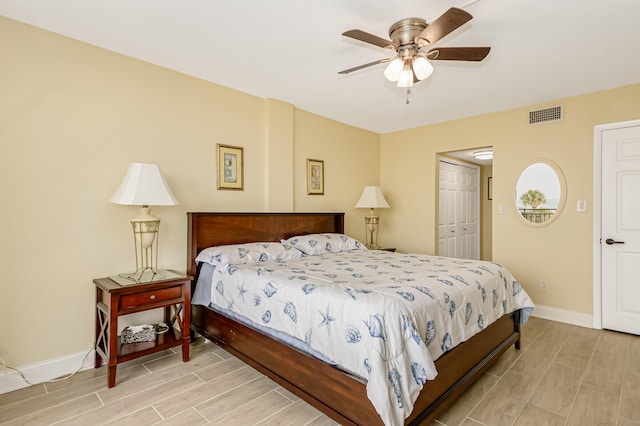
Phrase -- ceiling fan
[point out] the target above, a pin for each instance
(408, 37)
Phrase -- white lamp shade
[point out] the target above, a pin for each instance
(372, 198)
(144, 185)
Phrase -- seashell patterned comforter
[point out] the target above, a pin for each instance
(383, 316)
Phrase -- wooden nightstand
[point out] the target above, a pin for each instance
(115, 297)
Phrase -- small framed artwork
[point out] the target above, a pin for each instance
(490, 189)
(230, 167)
(315, 177)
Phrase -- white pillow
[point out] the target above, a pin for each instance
(323, 243)
(234, 254)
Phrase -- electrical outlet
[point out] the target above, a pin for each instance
(543, 285)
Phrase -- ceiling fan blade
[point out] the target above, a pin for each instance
(369, 38)
(458, 53)
(449, 21)
(359, 67)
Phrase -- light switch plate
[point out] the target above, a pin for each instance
(582, 205)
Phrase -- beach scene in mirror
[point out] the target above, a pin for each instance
(538, 193)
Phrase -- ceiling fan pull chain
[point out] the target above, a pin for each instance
(408, 93)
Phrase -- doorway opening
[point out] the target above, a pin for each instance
(485, 195)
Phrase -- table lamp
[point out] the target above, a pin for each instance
(144, 185)
(372, 198)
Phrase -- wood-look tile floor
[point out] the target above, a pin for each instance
(563, 375)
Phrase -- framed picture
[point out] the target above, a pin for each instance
(230, 167)
(315, 177)
(490, 189)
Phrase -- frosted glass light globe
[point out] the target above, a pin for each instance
(406, 78)
(422, 68)
(393, 70)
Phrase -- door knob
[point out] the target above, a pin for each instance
(611, 241)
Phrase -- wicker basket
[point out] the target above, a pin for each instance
(138, 334)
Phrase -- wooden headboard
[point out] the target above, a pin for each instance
(214, 229)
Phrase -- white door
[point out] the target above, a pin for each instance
(621, 229)
(459, 203)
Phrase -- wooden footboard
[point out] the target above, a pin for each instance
(459, 368)
(339, 395)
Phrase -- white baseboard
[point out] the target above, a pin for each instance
(561, 315)
(46, 370)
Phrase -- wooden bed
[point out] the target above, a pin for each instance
(340, 396)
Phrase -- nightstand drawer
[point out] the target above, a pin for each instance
(148, 297)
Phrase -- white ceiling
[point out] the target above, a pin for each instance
(467, 155)
(292, 50)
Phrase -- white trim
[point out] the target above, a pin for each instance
(597, 223)
(45, 370)
(561, 315)
(10, 381)
(597, 214)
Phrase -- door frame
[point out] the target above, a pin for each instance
(597, 214)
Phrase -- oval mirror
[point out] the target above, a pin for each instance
(540, 193)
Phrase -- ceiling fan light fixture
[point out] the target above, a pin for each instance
(422, 68)
(393, 70)
(408, 37)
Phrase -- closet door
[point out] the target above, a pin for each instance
(458, 217)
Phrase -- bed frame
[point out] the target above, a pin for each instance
(342, 397)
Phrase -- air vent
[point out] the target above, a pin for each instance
(546, 115)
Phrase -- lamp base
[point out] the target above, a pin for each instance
(145, 237)
(126, 279)
(144, 275)
(371, 225)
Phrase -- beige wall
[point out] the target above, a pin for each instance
(351, 161)
(560, 253)
(72, 118)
